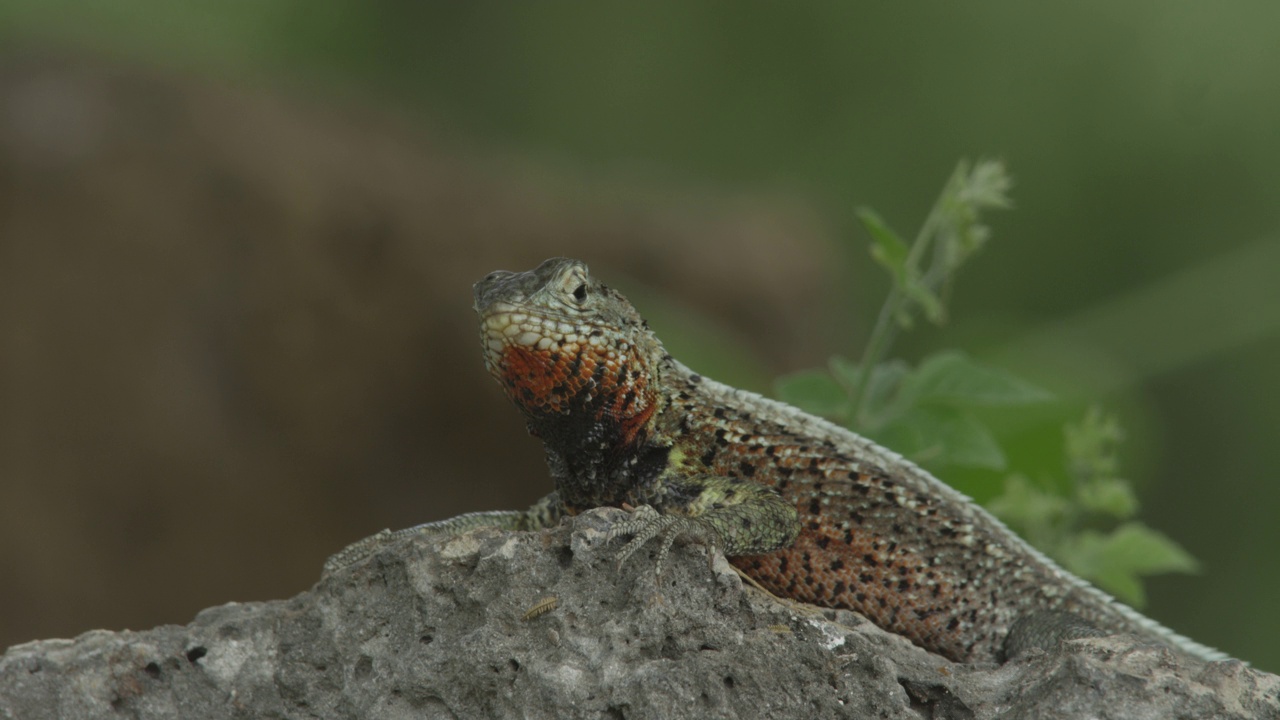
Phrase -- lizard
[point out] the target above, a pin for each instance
(807, 509)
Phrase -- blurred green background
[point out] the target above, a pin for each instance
(318, 183)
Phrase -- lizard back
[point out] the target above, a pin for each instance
(885, 538)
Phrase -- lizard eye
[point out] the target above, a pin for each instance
(580, 293)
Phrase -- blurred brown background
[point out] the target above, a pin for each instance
(237, 244)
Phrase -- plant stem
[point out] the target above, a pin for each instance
(886, 323)
(877, 346)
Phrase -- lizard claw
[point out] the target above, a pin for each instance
(646, 524)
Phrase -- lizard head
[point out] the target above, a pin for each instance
(572, 353)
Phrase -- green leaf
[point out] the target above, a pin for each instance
(1115, 561)
(887, 248)
(1091, 446)
(1083, 554)
(814, 391)
(969, 192)
(1147, 551)
(1123, 584)
(881, 389)
(940, 436)
(1109, 495)
(953, 378)
(987, 186)
(1025, 506)
(848, 372)
(927, 299)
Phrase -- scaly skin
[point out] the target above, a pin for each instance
(809, 510)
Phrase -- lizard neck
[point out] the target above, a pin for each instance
(597, 414)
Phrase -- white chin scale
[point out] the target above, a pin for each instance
(505, 325)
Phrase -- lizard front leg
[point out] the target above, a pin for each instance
(737, 516)
(542, 514)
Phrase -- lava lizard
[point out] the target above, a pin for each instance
(808, 509)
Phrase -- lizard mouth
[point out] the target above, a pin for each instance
(552, 367)
(507, 326)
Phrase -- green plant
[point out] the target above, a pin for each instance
(927, 411)
(1068, 527)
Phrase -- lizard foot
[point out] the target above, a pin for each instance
(646, 524)
(1045, 630)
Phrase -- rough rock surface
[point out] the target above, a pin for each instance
(462, 627)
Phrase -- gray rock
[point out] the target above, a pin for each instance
(543, 625)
